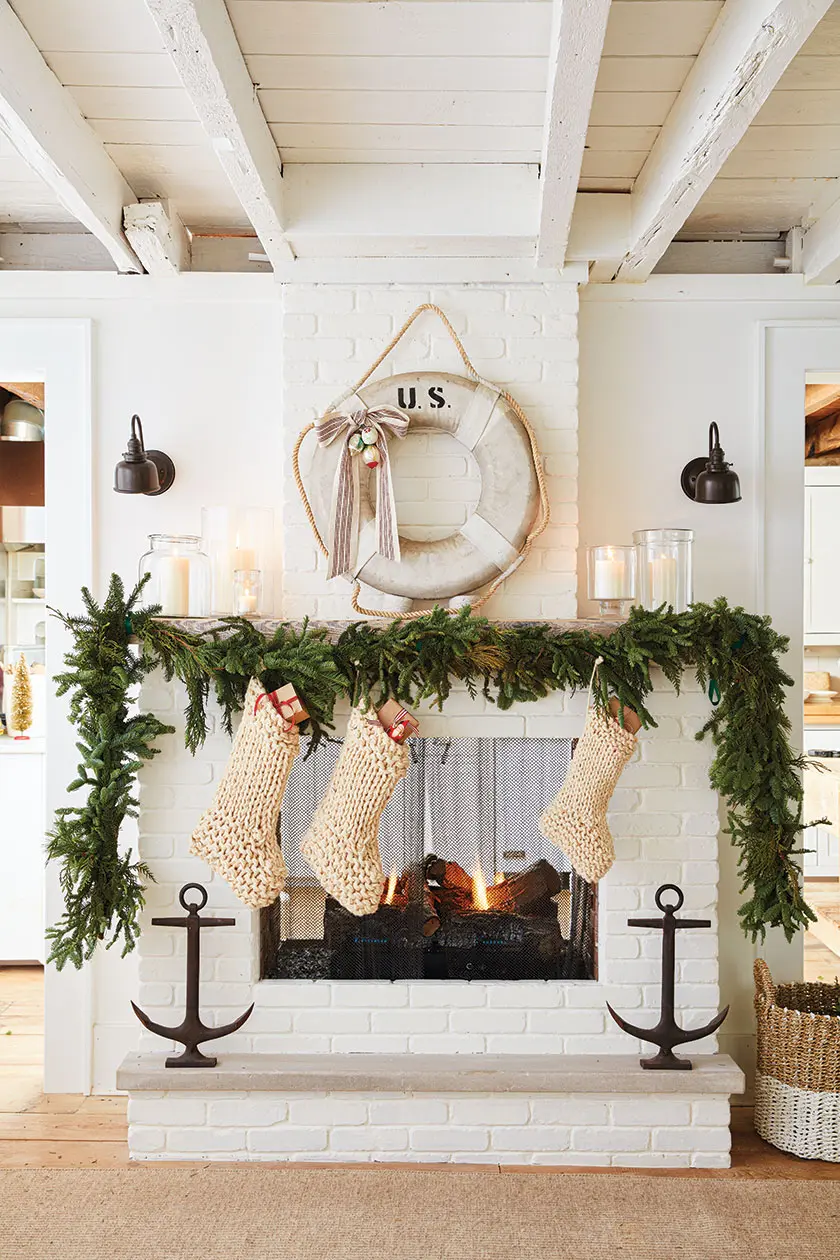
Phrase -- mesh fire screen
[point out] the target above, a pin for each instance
(472, 890)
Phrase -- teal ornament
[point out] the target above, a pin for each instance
(356, 443)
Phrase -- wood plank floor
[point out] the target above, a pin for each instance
(39, 1130)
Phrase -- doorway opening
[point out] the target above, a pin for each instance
(23, 612)
(821, 675)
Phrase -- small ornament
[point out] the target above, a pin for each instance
(371, 456)
(369, 436)
(355, 442)
(192, 1030)
(667, 1033)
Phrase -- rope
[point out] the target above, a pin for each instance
(545, 509)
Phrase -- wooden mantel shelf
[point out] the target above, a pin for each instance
(268, 625)
(433, 1073)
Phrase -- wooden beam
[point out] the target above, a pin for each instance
(158, 237)
(44, 124)
(200, 39)
(821, 248)
(821, 400)
(576, 43)
(748, 49)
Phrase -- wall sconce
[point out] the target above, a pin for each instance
(709, 479)
(141, 471)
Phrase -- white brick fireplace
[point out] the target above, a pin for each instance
(664, 819)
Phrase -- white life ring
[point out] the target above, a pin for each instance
(490, 541)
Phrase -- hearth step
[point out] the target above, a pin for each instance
(485, 1109)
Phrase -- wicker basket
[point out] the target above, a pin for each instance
(797, 1090)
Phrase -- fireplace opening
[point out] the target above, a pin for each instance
(471, 889)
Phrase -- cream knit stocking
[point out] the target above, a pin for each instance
(576, 820)
(342, 844)
(237, 836)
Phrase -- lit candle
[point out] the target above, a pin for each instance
(174, 585)
(246, 604)
(610, 578)
(663, 581)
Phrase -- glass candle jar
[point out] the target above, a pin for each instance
(663, 563)
(247, 592)
(612, 578)
(238, 538)
(180, 575)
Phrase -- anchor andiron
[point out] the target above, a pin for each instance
(191, 1031)
(667, 1033)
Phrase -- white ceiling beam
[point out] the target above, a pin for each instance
(201, 41)
(821, 248)
(158, 237)
(44, 124)
(747, 51)
(576, 43)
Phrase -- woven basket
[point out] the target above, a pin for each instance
(797, 1090)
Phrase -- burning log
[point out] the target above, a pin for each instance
(529, 892)
(431, 918)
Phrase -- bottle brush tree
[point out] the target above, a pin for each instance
(21, 712)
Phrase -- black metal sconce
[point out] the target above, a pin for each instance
(709, 479)
(141, 471)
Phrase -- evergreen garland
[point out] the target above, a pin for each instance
(102, 887)
(754, 769)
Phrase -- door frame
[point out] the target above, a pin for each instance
(58, 352)
(788, 349)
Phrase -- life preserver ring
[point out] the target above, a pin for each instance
(479, 417)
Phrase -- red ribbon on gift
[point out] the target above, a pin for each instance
(397, 728)
(284, 707)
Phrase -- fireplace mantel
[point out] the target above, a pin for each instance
(334, 629)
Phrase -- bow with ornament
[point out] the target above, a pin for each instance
(365, 432)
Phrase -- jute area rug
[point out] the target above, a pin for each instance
(220, 1213)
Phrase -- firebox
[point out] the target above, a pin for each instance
(471, 889)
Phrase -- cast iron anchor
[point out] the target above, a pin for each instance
(191, 1031)
(667, 1033)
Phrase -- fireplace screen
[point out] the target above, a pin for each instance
(472, 890)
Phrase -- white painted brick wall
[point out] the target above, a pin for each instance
(663, 816)
(570, 1129)
(523, 337)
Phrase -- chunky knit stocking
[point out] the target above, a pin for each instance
(576, 820)
(342, 845)
(237, 836)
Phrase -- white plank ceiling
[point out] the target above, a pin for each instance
(425, 81)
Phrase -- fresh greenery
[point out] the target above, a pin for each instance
(102, 886)
(754, 768)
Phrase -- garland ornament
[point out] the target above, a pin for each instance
(366, 430)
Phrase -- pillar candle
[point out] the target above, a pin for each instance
(610, 579)
(174, 585)
(663, 581)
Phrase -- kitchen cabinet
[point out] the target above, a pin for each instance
(22, 838)
(822, 559)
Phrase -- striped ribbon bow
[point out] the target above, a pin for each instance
(343, 541)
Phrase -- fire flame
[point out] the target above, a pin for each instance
(391, 887)
(500, 877)
(479, 889)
